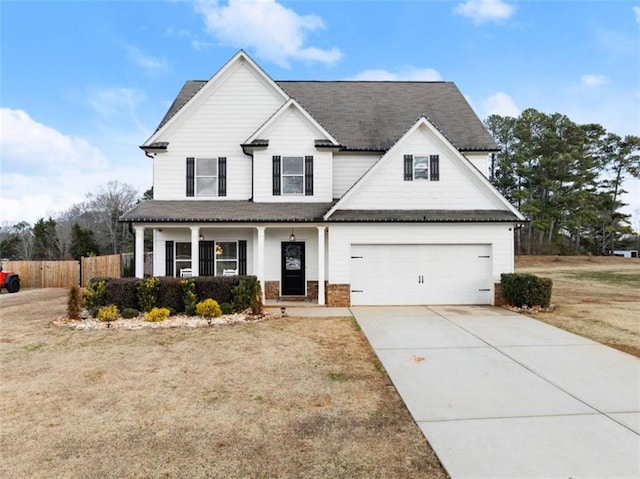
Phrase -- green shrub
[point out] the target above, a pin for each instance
(209, 308)
(170, 294)
(189, 296)
(226, 308)
(148, 294)
(74, 303)
(219, 288)
(520, 289)
(129, 313)
(123, 292)
(94, 295)
(108, 313)
(157, 314)
(248, 294)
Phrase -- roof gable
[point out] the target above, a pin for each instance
(194, 92)
(364, 193)
(291, 105)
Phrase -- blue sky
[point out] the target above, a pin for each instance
(83, 83)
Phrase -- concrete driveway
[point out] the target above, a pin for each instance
(501, 395)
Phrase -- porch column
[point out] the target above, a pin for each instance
(195, 250)
(260, 268)
(321, 230)
(139, 251)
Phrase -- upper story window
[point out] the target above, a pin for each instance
(421, 167)
(207, 176)
(292, 176)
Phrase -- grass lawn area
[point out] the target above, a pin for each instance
(595, 297)
(281, 398)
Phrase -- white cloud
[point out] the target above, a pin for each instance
(404, 74)
(44, 171)
(636, 11)
(24, 141)
(276, 33)
(500, 104)
(594, 80)
(483, 11)
(146, 61)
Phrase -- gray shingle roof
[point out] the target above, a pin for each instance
(230, 211)
(423, 216)
(227, 211)
(374, 115)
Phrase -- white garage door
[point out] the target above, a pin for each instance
(385, 274)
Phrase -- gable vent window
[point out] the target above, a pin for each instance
(421, 167)
(293, 175)
(207, 176)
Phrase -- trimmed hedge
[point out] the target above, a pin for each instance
(239, 292)
(122, 292)
(523, 289)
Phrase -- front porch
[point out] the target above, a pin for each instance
(289, 260)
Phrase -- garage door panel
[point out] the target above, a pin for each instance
(421, 274)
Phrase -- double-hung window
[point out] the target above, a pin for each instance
(207, 176)
(226, 258)
(182, 257)
(421, 167)
(293, 175)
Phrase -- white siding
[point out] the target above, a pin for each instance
(341, 237)
(348, 168)
(482, 161)
(292, 135)
(457, 189)
(237, 104)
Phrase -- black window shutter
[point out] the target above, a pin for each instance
(242, 257)
(434, 167)
(191, 170)
(408, 167)
(222, 176)
(168, 247)
(276, 176)
(308, 175)
(207, 260)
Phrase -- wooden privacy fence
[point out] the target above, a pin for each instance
(108, 266)
(64, 274)
(45, 274)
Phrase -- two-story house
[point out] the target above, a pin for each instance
(343, 192)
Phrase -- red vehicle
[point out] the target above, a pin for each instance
(9, 280)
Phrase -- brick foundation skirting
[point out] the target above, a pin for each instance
(312, 290)
(338, 295)
(498, 299)
(271, 290)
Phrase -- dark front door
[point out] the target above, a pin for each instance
(293, 280)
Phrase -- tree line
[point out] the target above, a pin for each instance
(567, 179)
(88, 228)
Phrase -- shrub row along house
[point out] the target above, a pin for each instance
(344, 192)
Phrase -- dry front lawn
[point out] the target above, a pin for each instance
(596, 297)
(282, 398)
